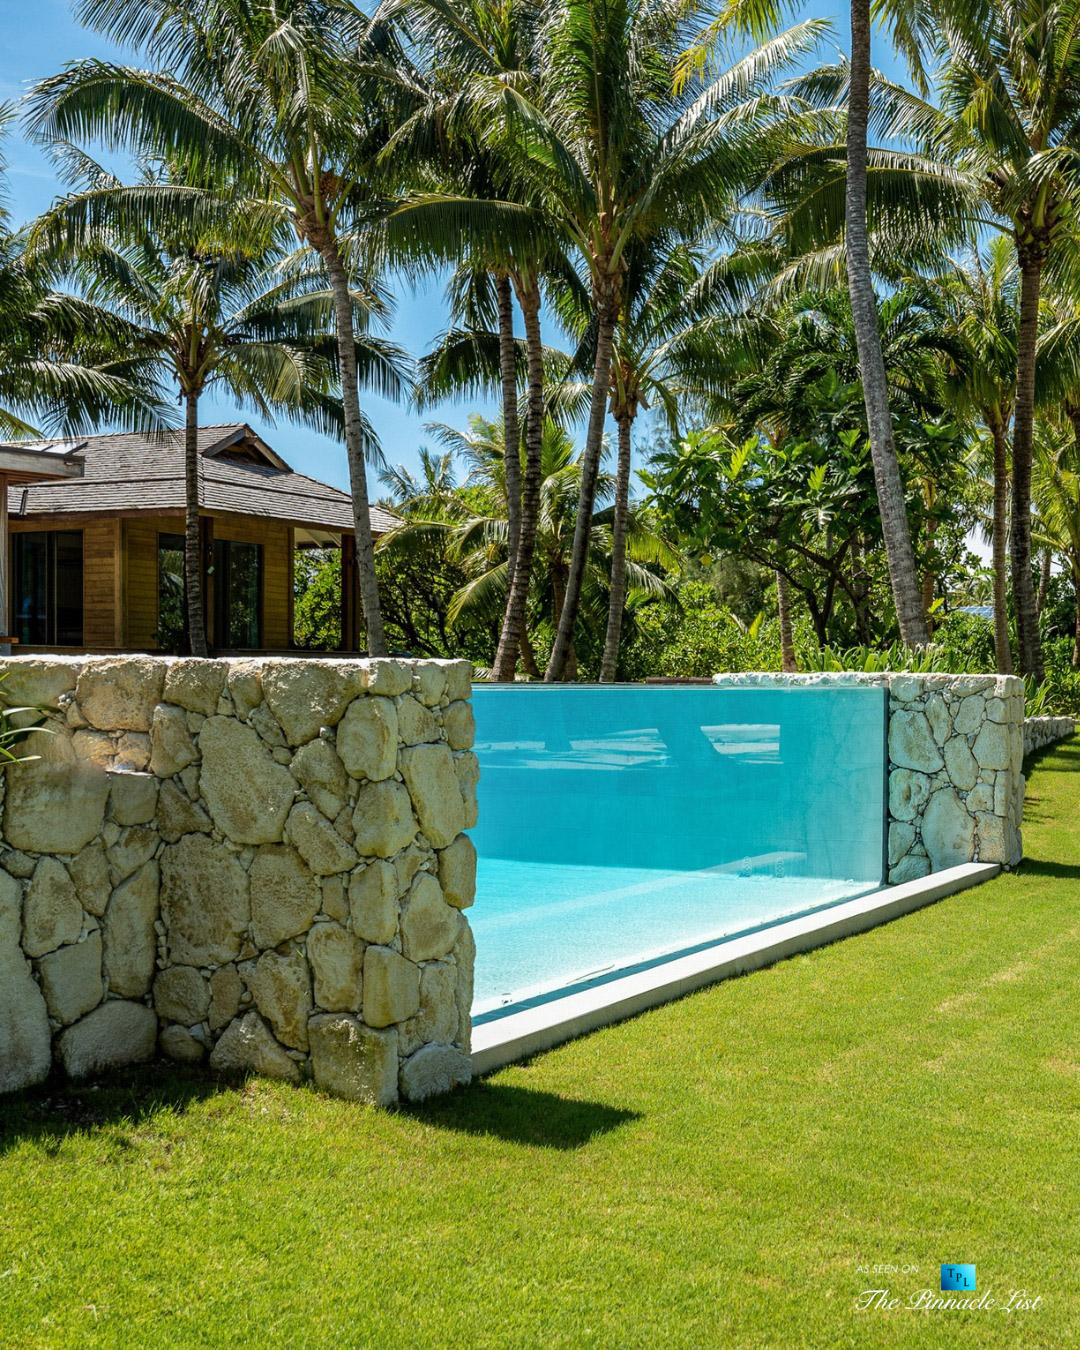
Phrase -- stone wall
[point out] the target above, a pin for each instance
(955, 750)
(1043, 731)
(260, 863)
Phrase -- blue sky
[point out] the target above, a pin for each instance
(41, 35)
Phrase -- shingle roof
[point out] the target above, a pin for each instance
(145, 472)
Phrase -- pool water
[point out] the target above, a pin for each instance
(619, 825)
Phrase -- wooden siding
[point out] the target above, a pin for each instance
(120, 575)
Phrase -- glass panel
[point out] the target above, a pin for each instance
(237, 593)
(68, 581)
(619, 825)
(31, 588)
(172, 600)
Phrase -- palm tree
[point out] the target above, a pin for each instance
(57, 354)
(1010, 117)
(278, 101)
(613, 150)
(199, 311)
(1057, 495)
(976, 300)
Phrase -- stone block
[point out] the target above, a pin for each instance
(433, 785)
(459, 725)
(71, 979)
(429, 926)
(910, 868)
(318, 769)
(133, 798)
(416, 723)
(437, 1020)
(248, 794)
(391, 987)
(383, 819)
(367, 738)
(337, 965)
(467, 768)
(52, 915)
(120, 693)
(179, 1044)
(908, 793)
(911, 743)
(182, 994)
(172, 746)
(353, 1061)
(246, 1046)
(204, 902)
(54, 808)
(457, 872)
(960, 764)
(991, 747)
(130, 935)
(179, 815)
(948, 831)
(322, 848)
(134, 846)
(373, 902)
(433, 1070)
(285, 895)
(196, 684)
(305, 695)
(226, 991)
(115, 1034)
(281, 986)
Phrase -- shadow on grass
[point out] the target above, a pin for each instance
(522, 1115)
(117, 1104)
(1043, 867)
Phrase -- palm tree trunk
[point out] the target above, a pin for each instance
(1076, 625)
(354, 447)
(890, 489)
(788, 661)
(511, 429)
(607, 313)
(1027, 619)
(929, 580)
(617, 602)
(1044, 581)
(517, 597)
(528, 656)
(193, 562)
(1002, 652)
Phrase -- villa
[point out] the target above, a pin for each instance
(95, 548)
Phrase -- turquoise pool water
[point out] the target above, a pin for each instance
(620, 825)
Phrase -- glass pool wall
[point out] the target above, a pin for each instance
(619, 825)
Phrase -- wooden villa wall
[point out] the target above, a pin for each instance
(120, 576)
(141, 541)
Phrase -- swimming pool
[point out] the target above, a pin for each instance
(620, 825)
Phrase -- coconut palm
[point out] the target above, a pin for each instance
(279, 101)
(57, 354)
(612, 151)
(976, 301)
(199, 311)
(1056, 481)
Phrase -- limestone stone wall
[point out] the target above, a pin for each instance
(1043, 731)
(955, 751)
(257, 862)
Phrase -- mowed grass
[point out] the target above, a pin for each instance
(715, 1173)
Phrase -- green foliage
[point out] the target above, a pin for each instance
(17, 724)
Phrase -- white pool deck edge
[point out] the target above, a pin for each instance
(519, 1035)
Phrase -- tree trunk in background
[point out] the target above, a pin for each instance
(193, 563)
(528, 657)
(1076, 625)
(607, 309)
(354, 443)
(511, 428)
(517, 595)
(1027, 619)
(929, 580)
(620, 523)
(1002, 652)
(787, 642)
(890, 489)
(1044, 581)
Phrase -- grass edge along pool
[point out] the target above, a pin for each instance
(624, 824)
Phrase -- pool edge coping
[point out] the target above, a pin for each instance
(517, 1036)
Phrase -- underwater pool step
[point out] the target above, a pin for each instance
(517, 1035)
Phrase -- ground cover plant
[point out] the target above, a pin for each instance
(725, 1170)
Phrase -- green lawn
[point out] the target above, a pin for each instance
(713, 1173)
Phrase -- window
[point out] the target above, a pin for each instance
(172, 598)
(48, 588)
(237, 594)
